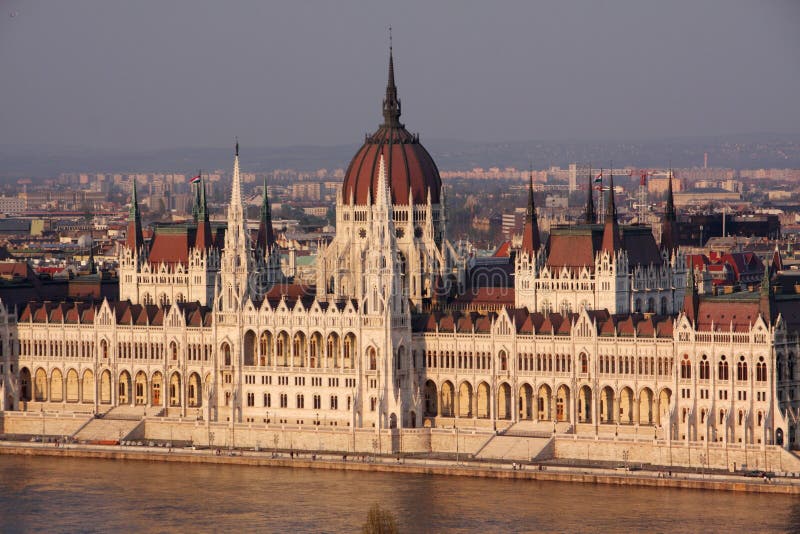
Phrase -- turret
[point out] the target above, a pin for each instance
(531, 241)
(203, 239)
(265, 239)
(134, 239)
(766, 296)
(611, 238)
(591, 216)
(691, 300)
(669, 224)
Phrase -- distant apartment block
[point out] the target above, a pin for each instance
(11, 205)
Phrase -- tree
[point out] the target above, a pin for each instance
(380, 521)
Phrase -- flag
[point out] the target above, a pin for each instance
(599, 178)
(643, 179)
(195, 179)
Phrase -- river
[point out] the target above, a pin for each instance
(87, 495)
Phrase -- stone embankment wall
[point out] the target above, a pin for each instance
(42, 423)
(334, 439)
(769, 458)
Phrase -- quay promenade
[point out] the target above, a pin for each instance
(620, 476)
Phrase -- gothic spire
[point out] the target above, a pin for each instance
(134, 237)
(669, 224)
(530, 232)
(591, 217)
(196, 203)
(691, 300)
(611, 239)
(203, 239)
(766, 296)
(391, 104)
(266, 236)
(669, 211)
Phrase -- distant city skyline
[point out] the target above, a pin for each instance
(145, 75)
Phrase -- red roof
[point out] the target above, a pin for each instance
(412, 168)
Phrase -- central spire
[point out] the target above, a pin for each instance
(391, 104)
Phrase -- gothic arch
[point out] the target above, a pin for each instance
(504, 401)
(431, 399)
(194, 397)
(73, 386)
(56, 386)
(562, 403)
(25, 385)
(250, 348)
(87, 386)
(105, 387)
(484, 400)
(646, 407)
(626, 402)
(124, 388)
(175, 389)
(448, 398)
(544, 407)
(585, 406)
(525, 402)
(140, 389)
(156, 389)
(465, 399)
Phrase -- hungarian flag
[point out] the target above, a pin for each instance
(195, 179)
(599, 178)
(643, 179)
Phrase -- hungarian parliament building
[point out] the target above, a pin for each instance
(601, 327)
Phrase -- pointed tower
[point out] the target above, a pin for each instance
(237, 259)
(391, 104)
(265, 240)
(691, 300)
(203, 240)
(591, 216)
(531, 241)
(611, 238)
(669, 223)
(134, 239)
(777, 261)
(766, 296)
(196, 203)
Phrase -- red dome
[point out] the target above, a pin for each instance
(408, 165)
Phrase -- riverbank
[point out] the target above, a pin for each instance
(425, 466)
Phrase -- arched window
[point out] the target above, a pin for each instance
(226, 354)
(173, 347)
(686, 367)
(761, 370)
(705, 371)
(741, 369)
(503, 360)
(722, 373)
(790, 367)
(584, 363)
(373, 359)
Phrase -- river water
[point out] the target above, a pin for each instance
(87, 495)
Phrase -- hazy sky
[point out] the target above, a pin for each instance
(149, 73)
